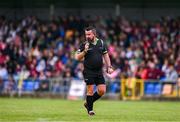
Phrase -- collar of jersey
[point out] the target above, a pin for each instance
(95, 43)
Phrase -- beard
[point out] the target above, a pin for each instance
(90, 39)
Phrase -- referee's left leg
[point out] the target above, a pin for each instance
(101, 89)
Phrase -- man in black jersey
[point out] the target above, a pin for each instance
(92, 52)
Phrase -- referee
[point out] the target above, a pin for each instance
(92, 52)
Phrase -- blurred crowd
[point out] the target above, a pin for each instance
(32, 48)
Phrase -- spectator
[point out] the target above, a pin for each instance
(3, 72)
(172, 74)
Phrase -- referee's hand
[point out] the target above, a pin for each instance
(110, 70)
(86, 47)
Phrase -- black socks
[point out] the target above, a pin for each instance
(96, 96)
(89, 100)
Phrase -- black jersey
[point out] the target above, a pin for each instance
(93, 60)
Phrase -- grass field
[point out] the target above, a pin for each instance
(45, 110)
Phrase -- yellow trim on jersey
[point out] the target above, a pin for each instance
(104, 52)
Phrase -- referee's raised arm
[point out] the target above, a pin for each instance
(79, 55)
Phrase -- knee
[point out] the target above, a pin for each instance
(101, 92)
(90, 91)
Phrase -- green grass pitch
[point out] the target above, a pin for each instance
(45, 110)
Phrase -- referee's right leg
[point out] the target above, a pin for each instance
(89, 80)
(89, 100)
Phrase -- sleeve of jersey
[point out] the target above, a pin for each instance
(81, 48)
(105, 48)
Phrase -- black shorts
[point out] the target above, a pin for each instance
(96, 79)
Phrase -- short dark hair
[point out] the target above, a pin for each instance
(91, 28)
